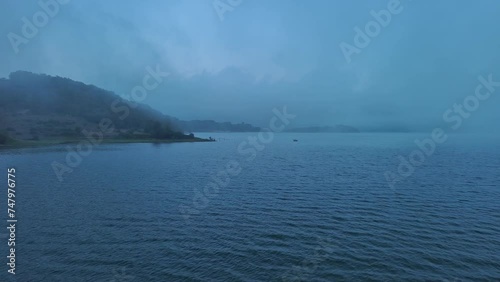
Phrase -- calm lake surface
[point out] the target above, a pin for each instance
(315, 210)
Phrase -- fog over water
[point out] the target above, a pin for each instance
(267, 54)
(402, 184)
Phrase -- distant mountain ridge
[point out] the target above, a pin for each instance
(212, 126)
(325, 129)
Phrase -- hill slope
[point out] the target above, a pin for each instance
(38, 107)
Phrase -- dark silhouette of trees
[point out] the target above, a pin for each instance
(3, 138)
(46, 95)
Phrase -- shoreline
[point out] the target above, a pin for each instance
(15, 144)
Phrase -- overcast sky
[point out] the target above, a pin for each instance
(270, 53)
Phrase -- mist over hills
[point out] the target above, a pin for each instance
(240, 69)
(38, 106)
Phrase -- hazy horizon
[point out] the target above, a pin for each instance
(270, 54)
(250, 140)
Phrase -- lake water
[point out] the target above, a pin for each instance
(315, 210)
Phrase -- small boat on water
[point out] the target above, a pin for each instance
(295, 140)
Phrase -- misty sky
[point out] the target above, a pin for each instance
(270, 53)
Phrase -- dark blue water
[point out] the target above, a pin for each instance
(315, 210)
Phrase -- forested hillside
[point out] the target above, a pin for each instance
(34, 106)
